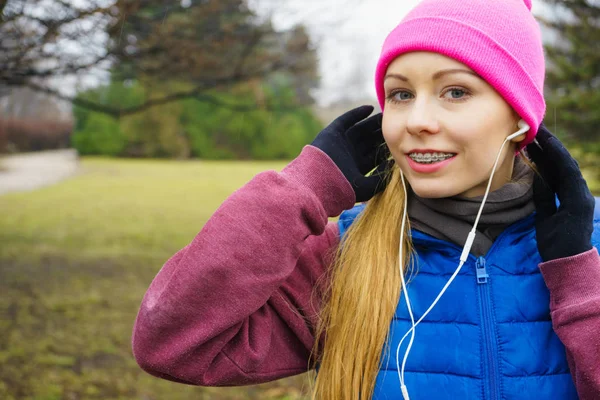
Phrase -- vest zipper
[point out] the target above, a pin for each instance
(490, 345)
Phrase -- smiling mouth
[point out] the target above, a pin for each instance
(431, 159)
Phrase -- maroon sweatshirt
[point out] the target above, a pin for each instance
(238, 305)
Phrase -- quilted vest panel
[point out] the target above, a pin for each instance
(490, 336)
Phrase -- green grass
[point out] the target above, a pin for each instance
(76, 259)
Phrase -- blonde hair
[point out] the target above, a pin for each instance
(361, 297)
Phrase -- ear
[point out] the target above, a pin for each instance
(516, 119)
(519, 138)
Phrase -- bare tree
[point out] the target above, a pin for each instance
(202, 45)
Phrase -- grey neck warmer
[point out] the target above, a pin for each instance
(452, 218)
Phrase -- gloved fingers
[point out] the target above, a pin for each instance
(568, 230)
(534, 149)
(538, 156)
(559, 161)
(543, 156)
(367, 143)
(375, 182)
(371, 123)
(544, 186)
(543, 197)
(383, 156)
(383, 167)
(365, 135)
(371, 157)
(554, 161)
(561, 172)
(350, 118)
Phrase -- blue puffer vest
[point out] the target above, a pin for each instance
(490, 336)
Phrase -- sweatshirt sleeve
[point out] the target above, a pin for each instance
(236, 305)
(574, 284)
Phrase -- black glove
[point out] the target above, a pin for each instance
(357, 148)
(566, 231)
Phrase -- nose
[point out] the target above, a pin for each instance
(422, 118)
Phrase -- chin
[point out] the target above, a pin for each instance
(430, 191)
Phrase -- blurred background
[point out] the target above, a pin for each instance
(124, 124)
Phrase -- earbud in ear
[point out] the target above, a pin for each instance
(523, 125)
(523, 128)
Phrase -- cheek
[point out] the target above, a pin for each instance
(392, 129)
(487, 137)
(473, 132)
(488, 124)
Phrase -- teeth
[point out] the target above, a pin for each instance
(429, 158)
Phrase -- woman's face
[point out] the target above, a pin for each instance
(429, 109)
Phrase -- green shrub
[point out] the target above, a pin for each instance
(260, 122)
(99, 134)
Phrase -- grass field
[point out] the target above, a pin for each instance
(75, 261)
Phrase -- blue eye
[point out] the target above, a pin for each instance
(403, 95)
(456, 93)
(399, 96)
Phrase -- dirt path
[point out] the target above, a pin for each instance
(29, 171)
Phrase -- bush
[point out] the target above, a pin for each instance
(99, 134)
(33, 135)
(278, 130)
(271, 126)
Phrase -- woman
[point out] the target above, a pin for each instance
(268, 289)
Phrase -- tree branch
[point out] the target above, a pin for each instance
(199, 92)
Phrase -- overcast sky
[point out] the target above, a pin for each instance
(349, 34)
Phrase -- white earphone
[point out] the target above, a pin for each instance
(523, 128)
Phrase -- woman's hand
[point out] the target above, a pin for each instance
(357, 148)
(566, 230)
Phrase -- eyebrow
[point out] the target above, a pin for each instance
(435, 76)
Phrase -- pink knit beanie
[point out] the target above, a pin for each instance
(498, 39)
